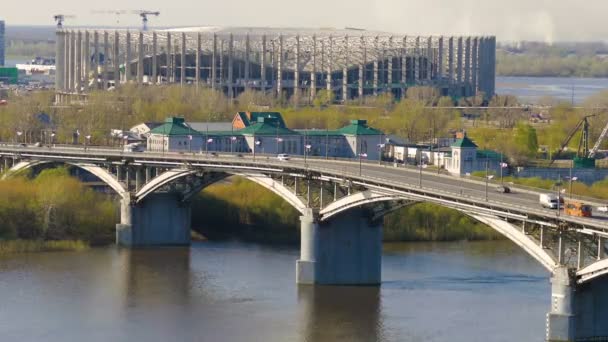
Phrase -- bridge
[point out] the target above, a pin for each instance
(342, 203)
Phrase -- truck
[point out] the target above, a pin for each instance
(134, 147)
(574, 208)
(549, 201)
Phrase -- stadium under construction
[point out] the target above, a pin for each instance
(288, 62)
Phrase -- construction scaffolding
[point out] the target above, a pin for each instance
(287, 62)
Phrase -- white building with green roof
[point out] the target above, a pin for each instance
(268, 135)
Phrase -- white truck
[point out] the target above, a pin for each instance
(548, 201)
(134, 147)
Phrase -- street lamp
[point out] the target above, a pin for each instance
(232, 140)
(557, 190)
(380, 149)
(87, 140)
(307, 148)
(19, 133)
(361, 156)
(255, 147)
(52, 138)
(209, 141)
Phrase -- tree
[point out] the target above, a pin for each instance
(324, 98)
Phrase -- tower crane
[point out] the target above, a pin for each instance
(599, 142)
(59, 18)
(144, 17)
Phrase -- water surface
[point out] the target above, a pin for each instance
(487, 291)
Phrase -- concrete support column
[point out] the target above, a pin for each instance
(280, 67)
(140, 58)
(154, 73)
(60, 61)
(376, 75)
(214, 61)
(362, 69)
(474, 66)
(451, 60)
(148, 172)
(345, 251)
(247, 61)
(119, 173)
(66, 61)
(329, 63)
(429, 58)
(95, 63)
(467, 66)
(106, 58)
(313, 73)
(601, 242)
(345, 96)
(416, 60)
(197, 66)
(138, 178)
(404, 66)
(231, 67)
(560, 320)
(169, 62)
(116, 59)
(182, 77)
(389, 66)
(296, 72)
(459, 65)
(492, 75)
(160, 219)
(72, 66)
(128, 57)
(86, 59)
(78, 72)
(440, 58)
(263, 64)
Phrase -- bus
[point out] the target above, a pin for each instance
(577, 209)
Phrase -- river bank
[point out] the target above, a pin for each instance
(31, 246)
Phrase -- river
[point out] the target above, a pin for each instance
(532, 89)
(483, 291)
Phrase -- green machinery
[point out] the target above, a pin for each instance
(585, 157)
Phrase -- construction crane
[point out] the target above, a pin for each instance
(144, 17)
(59, 18)
(599, 142)
(584, 156)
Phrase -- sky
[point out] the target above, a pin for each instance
(509, 20)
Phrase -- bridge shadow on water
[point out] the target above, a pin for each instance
(340, 313)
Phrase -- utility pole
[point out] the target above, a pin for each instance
(486, 179)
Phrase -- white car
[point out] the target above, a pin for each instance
(603, 209)
(283, 156)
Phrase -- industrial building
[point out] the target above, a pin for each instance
(293, 63)
(2, 43)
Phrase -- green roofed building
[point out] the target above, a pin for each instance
(266, 133)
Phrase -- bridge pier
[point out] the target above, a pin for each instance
(579, 312)
(347, 250)
(160, 219)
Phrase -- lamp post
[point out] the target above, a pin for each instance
(307, 148)
(487, 179)
(255, 146)
(19, 133)
(419, 167)
(557, 190)
(87, 140)
(52, 138)
(232, 140)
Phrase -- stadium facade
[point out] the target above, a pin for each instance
(288, 62)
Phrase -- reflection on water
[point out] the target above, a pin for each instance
(340, 313)
(457, 292)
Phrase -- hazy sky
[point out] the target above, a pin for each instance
(547, 20)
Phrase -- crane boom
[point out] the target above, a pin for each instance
(599, 141)
(582, 122)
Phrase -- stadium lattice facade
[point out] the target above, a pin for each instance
(296, 63)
